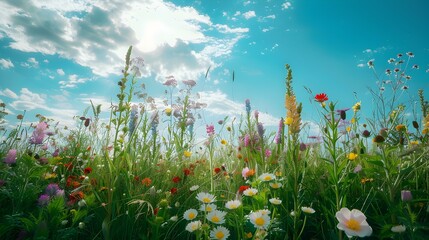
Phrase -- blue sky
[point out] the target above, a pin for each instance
(57, 55)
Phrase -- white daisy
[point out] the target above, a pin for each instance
(275, 201)
(259, 220)
(190, 214)
(216, 216)
(208, 207)
(250, 192)
(219, 233)
(266, 177)
(308, 210)
(193, 226)
(233, 204)
(205, 197)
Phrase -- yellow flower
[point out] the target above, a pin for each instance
(425, 131)
(353, 120)
(414, 142)
(356, 107)
(352, 156)
(400, 127)
(187, 153)
(348, 129)
(50, 175)
(168, 111)
(228, 129)
(288, 121)
(223, 142)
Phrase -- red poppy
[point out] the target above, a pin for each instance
(321, 97)
(87, 170)
(176, 179)
(243, 188)
(173, 190)
(186, 171)
(217, 170)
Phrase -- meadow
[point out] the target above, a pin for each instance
(144, 174)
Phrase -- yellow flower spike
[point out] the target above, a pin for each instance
(187, 153)
(356, 107)
(288, 121)
(352, 156)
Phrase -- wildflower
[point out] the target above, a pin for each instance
(228, 129)
(43, 200)
(400, 127)
(398, 229)
(391, 60)
(87, 170)
(52, 189)
(275, 201)
(250, 192)
(370, 63)
(267, 153)
(193, 226)
(146, 181)
(388, 72)
(173, 191)
(133, 119)
(378, 139)
(194, 188)
(348, 128)
(288, 121)
(82, 203)
(233, 204)
(265, 177)
(241, 189)
(210, 130)
(358, 168)
(208, 207)
(220, 233)
(366, 133)
(261, 130)
(223, 142)
(187, 154)
(259, 220)
(217, 170)
(174, 218)
(246, 140)
(414, 142)
(248, 108)
(352, 156)
(176, 179)
(246, 172)
(321, 97)
(10, 157)
(189, 83)
(396, 70)
(415, 66)
(410, 54)
(205, 197)
(216, 216)
(39, 133)
(170, 81)
(356, 107)
(190, 214)
(399, 55)
(275, 185)
(308, 210)
(353, 223)
(168, 111)
(406, 196)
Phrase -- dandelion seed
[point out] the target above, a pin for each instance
(370, 63)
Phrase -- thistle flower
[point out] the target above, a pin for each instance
(210, 130)
(10, 157)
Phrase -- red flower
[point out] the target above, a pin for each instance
(242, 188)
(173, 190)
(321, 97)
(186, 171)
(155, 211)
(217, 170)
(69, 166)
(87, 170)
(176, 179)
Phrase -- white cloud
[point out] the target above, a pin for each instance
(367, 51)
(265, 30)
(286, 5)
(8, 93)
(97, 34)
(249, 14)
(73, 81)
(30, 63)
(246, 3)
(270, 17)
(60, 72)
(361, 65)
(6, 63)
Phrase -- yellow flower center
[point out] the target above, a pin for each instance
(288, 121)
(206, 200)
(215, 219)
(219, 235)
(259, 221)
(353, 225)
(267, 178)
(191, 215)
(208, 209)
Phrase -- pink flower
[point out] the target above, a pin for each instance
(267, 153)
(189, 83)
(10, 157)
(244, 172)
(170, 81)
(39, 133)
(210, 130)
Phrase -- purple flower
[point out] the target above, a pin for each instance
(10, 157)
(210, 130)
(43, 200)
(246, 140)
(358, 168)
(59, 193)
(248, 108)
(278, 138)
(267, 152)
(52, 189)
(39, 133)
(256, 115)
(406, 196)
(189, 83)
(56, 153)
(261, 130)
(302, 147)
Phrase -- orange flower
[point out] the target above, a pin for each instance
(147, 182)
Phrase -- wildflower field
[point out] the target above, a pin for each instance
(145, 174)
